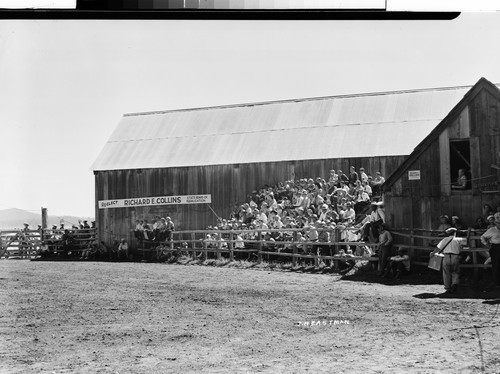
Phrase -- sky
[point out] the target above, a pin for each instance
(64, 85)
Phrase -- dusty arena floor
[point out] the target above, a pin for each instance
(103, 317)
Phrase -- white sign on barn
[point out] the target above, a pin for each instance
(152, 201)
(414, 175)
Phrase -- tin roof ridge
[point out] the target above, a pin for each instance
(377, 93)
(276, 129)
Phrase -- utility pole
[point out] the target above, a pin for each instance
(44, 218)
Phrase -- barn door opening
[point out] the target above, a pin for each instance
(460, 164)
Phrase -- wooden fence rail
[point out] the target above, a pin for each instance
(195, 244)
(295, 249)
(420, 253)
(20, 244)
(285, 244)
(29, 244)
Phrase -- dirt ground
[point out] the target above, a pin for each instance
(104, 317)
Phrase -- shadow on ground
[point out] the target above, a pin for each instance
(491, 296)
(469, 287)
(492, 302)
(419, 275)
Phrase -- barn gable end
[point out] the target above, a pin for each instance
(467, 138)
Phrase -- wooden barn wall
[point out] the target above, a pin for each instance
(228, 184)
(418, 204)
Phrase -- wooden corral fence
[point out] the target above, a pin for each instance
(20, 243)
(420, 243)
(32, 243)
(80, 240)
(194, 243)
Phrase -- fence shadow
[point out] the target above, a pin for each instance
(418, 275)
(421, 275)
(491, 296)
(468, 289)
(492, 302)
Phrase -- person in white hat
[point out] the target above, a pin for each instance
(490, 221)
(456, 223)
(450, 247)
(444, 224)
(491, 239)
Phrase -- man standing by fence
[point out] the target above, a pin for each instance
(384, 247)
(491, 239)
(451, 261)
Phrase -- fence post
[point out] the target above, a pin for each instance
(30, 247)
(318, 249)
(476, 269)
(259, 254)
(411, 251)
(294, 247)
(231, 246)
(205, 252)
(193, 244)
(22, 248)
(337, 240)
(219, 245)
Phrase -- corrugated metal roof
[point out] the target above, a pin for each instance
(380, 124)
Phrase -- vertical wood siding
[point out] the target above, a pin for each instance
(425, 200)
(228, 184)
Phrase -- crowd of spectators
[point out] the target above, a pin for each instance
(321, 208)
(80, 236)
(480, 225)
(159, 231)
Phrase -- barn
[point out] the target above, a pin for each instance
(425, 185)
(226, 152)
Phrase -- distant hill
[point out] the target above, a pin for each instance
(15, 218)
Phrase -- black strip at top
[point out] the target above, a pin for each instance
(225, 14)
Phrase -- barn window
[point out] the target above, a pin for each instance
(460, 169)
